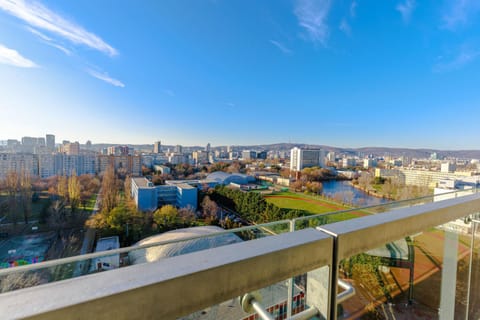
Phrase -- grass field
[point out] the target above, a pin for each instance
(313, 205)
(90, 204)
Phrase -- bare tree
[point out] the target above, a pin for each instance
(12, 185)
(19, 280)
(57, 213)
(187, 214)
(26, 195)
(210, 209)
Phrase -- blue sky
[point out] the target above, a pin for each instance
(353, 73)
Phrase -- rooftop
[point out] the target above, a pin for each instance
(141, 182)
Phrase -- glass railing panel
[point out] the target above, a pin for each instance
(275, 299)
(473, 279)
(21, 267)
(425, 275)
(337, 216)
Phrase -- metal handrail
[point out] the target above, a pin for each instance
(89, 256)
(349, 291)
(211, 276)
(252, 301)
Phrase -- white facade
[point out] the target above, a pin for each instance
(447, 167)
(304, 158)
(349, 162)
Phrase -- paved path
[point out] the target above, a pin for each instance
(88, 239)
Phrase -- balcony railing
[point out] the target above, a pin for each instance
(417, 260)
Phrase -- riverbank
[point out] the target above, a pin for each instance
(372, 194)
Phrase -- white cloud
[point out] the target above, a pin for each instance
(353, 9)
(459, 12)
(13, 58)
(345, 27)
(406, 9)
(281, 47)
(105, 77)
(49, 41)
(312, 16)
(37, 15)
(464, 56)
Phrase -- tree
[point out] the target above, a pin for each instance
(127, 185)
(210, 209)
(314, 187)
(187, 215)
(166, 216)
(109, 190)
(297, 185)
(57, 213)
(26, 195)
(364, 181)
(12, 185)
(74, 191)
(19, 280)
(62, 187)
(285, 173)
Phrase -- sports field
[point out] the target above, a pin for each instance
(291, 200)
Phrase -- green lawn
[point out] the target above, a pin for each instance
(90, 204)
(320, 206)
(299, 204)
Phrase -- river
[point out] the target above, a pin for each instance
(343, 191)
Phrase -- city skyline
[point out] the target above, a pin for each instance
(347, 74)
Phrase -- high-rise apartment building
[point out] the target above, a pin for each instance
(19, 163)
(304, 158)
(249, 154)
(71, 148)
(46, 165)
(127, 163)
(50, 142)
(157, 147)
(200, 157)
(178, 149)
(119, 151)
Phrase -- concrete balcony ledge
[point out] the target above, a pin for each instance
(378, 229)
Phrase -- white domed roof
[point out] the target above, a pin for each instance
(181, 247)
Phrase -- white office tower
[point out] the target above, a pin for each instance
(304, 158)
